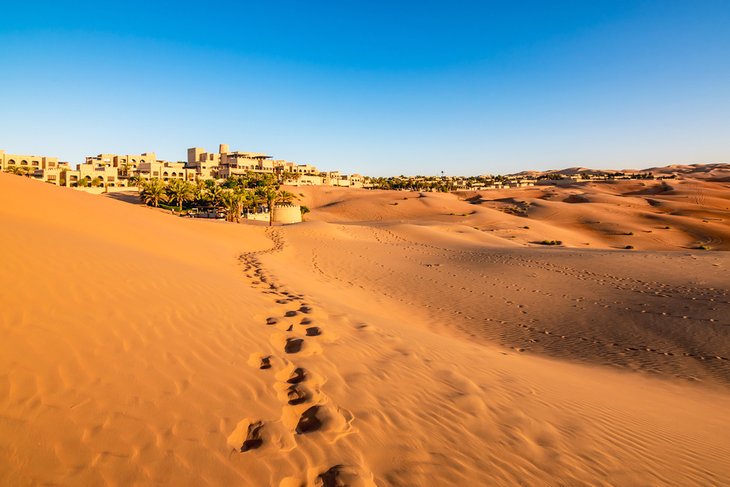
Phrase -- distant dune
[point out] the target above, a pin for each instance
(713, 171)
(646, 215)
(502, 337)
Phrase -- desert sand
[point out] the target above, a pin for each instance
(395, 338)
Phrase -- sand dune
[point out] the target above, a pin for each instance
(646, 215)
(427, 342)
(712, 172)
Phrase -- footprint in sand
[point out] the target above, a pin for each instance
(293, 345)
(314, 331)
(253, 437)
(271, 320)
(298, 375)
(260, 361)
(296, 395)
(247, 436)
(344, 475)
(309, 421)
(331, 478)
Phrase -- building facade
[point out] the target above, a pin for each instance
(115, 170)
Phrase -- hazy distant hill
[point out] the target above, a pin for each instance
(714, 172)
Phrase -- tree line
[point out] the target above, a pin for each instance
(234, 195)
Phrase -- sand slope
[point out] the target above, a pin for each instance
(141, 348)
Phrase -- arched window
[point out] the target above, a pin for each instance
(141, 161)
(164, 174)
(11, 162)
(24, 163)
(36, 163)
(174, 174)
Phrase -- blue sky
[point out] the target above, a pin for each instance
(380, 88)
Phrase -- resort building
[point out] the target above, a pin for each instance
(94, 174)
(109, 170)
(25, 161)
(226, 163)
(166, 171)
(45, 168)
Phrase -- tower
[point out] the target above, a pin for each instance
(194, 155)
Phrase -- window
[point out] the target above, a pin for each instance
(11, 162)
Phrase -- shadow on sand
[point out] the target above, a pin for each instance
(126, 196)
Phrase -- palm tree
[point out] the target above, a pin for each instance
(179, 192)
(22, 171)
(200, 191)
(285, 197)
(152, 192)
(233, 201)
(214, 194)
(269, 195)
(290, 176)
(135, 181)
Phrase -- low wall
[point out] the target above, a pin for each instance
(282, 214)
(100, 190)
(259, 217)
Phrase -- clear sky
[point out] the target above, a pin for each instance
(380, 88)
